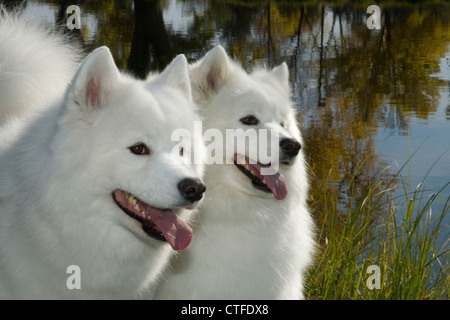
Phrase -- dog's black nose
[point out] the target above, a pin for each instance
(191, 189)
(290, 146)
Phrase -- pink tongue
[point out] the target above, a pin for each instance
(275, 182)
(174, 229)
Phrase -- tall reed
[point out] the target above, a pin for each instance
(383, 246)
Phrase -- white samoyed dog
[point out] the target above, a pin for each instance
(93, 194)
(253, 238)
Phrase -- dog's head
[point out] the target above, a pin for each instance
(254, 108)
(119, 132)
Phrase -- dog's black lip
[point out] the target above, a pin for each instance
(256, 182)
(147, 226)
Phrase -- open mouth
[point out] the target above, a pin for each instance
(160, 224)
(273, 183)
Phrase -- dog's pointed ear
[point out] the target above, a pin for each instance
(96, 77)
(210, 73)
(281, 75)
(176, 75)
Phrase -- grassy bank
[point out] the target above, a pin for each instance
(382, 246)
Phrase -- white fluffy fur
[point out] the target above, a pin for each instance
(59, 167)
(32, 76)
(246, 244)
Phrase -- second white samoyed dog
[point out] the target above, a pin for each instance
(92, 192)
(254, 234)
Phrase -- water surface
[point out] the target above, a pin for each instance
(367, 99)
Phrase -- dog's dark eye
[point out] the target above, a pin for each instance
(250, 120)
(181, 152)
(140, 149)
(283, 124)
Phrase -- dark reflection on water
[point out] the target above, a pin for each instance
(353, 86)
